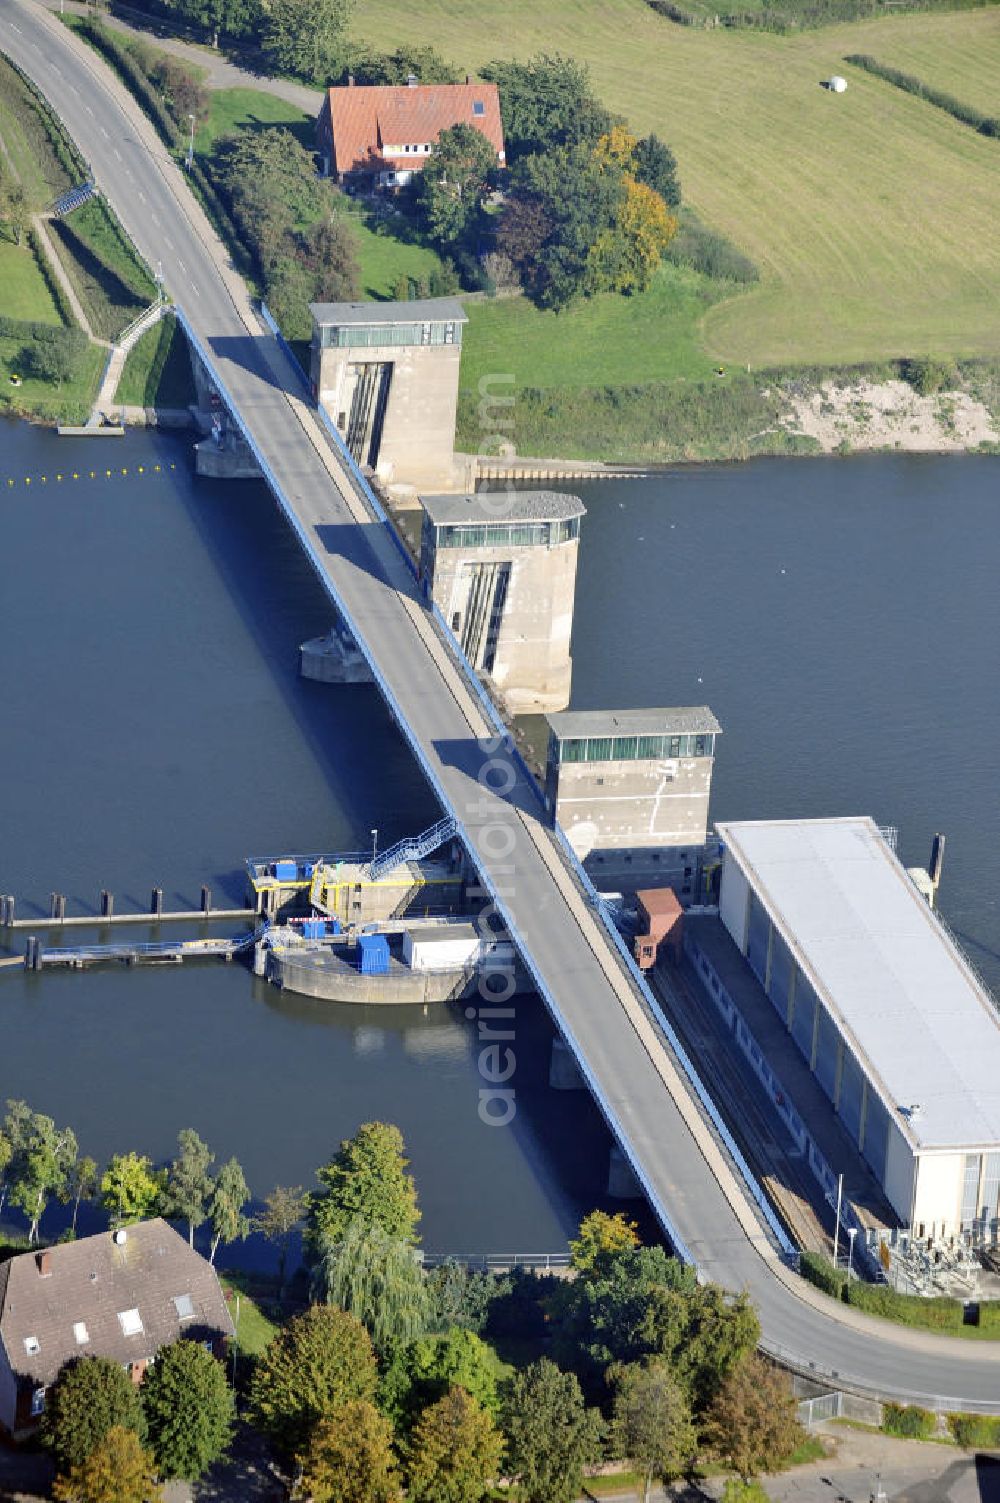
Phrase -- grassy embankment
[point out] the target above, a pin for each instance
(868, 214)
(158, 370)
(107, 276)
(27, 289)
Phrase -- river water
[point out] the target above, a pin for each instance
(840, 617)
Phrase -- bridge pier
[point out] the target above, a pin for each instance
(564, 1074)
(622, 1183)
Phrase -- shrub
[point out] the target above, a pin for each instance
(937, 1314)
(929, 375)
(820, 1271)
(908, 1421)
(986, 125)
(133, 76)
(709, 252)
(975, 1431)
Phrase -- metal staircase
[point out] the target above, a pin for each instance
(413, 848)
(72, 200)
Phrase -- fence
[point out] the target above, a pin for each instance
(830, 1406)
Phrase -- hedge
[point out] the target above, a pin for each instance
(908, 1421)
(975, 1431)
(821, 1272)
(133, 76)
(986, 125)
(936, 1314)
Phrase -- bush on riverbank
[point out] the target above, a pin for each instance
(908, 1421)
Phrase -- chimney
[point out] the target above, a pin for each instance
(468, 78)
(411, 80)
(350, 80)
(44, 1262)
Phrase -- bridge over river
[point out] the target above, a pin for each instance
(651, 1100)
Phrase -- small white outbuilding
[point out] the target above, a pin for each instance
(836, 84)
(441, 947)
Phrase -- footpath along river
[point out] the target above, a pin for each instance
(839, 617)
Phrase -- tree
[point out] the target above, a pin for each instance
(320, 1360)
(15, 210)
(546, 102)
(82, 1183)
(189, 1410)
(56, 355)
(656, 166)
(230, 1194)
(131, 1189)
(283, 1211)
(460, 1296)
(551, 1435)
(183, 92)
(366, 1181)
(422, 63)
(375, 1277)
(625, 257)
(736, 1490)
(40, 1160)
(349, 1457)
(426, 1369)
(117, 1470)
(751, 1423)
(189, 1181)
(456, 1451)
(91, 1396)
(455, 180)
(601, 1233)
(306, 37)
(330, 253)
(575, 198)
(651, 1422)
(6, 1154)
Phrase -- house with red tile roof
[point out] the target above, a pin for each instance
(386, 132)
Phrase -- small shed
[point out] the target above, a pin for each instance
(440, 947)
(837, 84)
(661, 921)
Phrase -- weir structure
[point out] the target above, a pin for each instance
(690, 1170)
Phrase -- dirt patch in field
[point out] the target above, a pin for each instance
(891, 415)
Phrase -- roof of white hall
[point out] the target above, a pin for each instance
(891, 976)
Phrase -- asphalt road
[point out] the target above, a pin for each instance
(690, 1184)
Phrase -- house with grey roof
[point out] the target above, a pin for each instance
(121, 1295)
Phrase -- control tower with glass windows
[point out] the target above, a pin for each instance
(501, 568)
(387, 376)
(630, 789)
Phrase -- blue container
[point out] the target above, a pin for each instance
(313, 929)
(333, 926)
(285, 871)
(374, 954)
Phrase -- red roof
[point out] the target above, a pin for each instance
(370, 124)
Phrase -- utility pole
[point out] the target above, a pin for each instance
(836, 1224)
(190, 151)
(374, 845)
(852, 1232)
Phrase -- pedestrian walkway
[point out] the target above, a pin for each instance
(116, 361)
(40, 223)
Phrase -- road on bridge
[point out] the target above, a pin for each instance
(691, 1184)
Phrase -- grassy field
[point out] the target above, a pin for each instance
(24, 292)
(40, 165)
(158, 370)
(965, 63)
(871, 215)
(42, 399)
(255, 1329)
(606, 340)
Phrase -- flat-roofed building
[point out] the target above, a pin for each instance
(387, 376)
(631, 789)
(895, 1025)
(501, 567)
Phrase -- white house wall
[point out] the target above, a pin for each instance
(734, 895)
(936, 1203)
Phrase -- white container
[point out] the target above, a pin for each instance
(443, 947)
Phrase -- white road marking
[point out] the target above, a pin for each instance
(56, 70)
(180, 263)
(142, 196)
(156, 220)
(89, 111)
(194, 289)
(169, 243)
(118, 154)
(14, 28)
(104, 133)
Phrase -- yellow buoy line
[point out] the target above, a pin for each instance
(66, 475)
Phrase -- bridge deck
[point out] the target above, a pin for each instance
(607, 1022)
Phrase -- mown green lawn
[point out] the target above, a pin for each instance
(241, 109)
(70, 404)
(24, 292)
(601, 341)
(384, 257)
(871, 215)
(254, 1330)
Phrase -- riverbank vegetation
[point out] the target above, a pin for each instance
(157, 371)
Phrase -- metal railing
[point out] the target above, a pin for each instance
(496, 1262)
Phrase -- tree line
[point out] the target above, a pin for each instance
(392, 1381)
